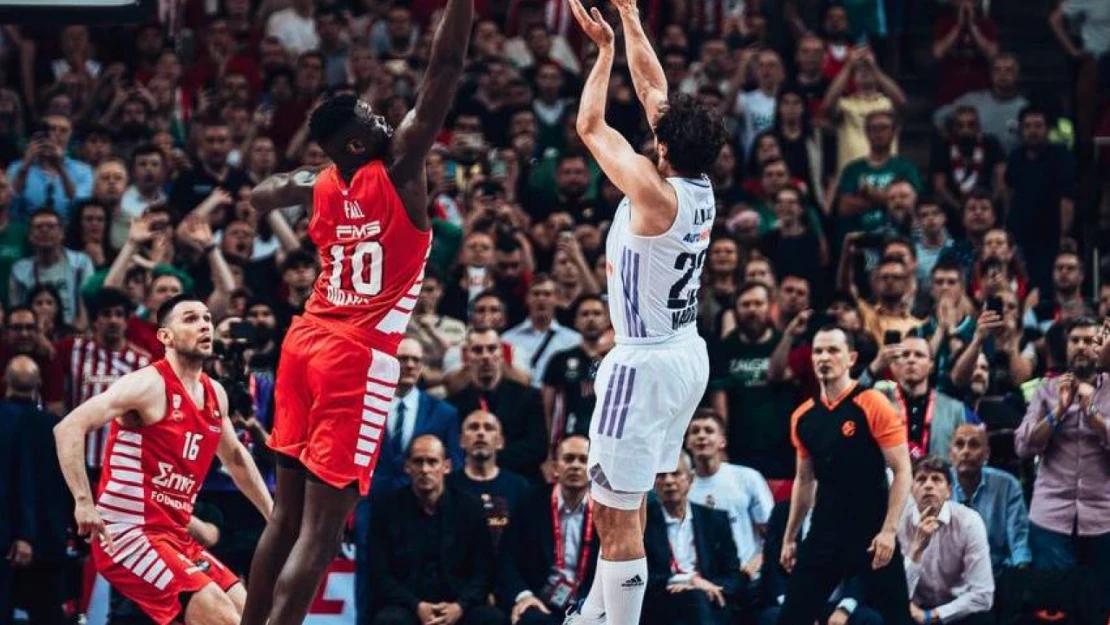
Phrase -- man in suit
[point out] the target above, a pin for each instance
(550, 553)
(693, 570)
(845, 606)
(519, 406)
(414, 413)
(431, 556)
(40, 572)
(17, 497)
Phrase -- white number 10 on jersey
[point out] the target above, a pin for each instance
(366, 255)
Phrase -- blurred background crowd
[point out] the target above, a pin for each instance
(929, 175)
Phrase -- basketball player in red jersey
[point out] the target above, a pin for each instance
(338, 370)
(167, 421)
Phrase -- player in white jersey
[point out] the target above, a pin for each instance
(649, 385)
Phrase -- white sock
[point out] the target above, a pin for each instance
(593, 606)
(623, 588)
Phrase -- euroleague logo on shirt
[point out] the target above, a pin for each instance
(848, 429)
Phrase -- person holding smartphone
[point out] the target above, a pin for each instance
(45, 177)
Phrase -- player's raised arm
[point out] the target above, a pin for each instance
(417, 132)
(647, 74)
(130, 393)
(635, 175)
(293, 188)
(238, 461)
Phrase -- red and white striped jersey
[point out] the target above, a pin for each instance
(90, 370)
(152, 474)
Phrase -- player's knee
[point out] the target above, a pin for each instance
(211, 606)
(286, 521)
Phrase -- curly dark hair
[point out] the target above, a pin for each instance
(693, 134)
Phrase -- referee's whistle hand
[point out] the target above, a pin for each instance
(882, 549)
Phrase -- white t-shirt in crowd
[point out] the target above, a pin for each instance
(744, 494)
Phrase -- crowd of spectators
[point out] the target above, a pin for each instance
(961, 266)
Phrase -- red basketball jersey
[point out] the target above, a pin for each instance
(371, 255)
(152, 474)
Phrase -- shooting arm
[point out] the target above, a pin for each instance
(130, 393)
(418, 130)
(647, 73)
(239, 463)
(630, 172)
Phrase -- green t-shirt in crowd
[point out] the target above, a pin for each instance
(446, 241)
(758, 410)
(861, 172)
(13, 246)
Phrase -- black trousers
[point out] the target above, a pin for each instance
(691, 607)
(862, 615)
(825, 561)
(6, 607)
(979, 618)
(40, 590)
(533, 616)
(478, 615)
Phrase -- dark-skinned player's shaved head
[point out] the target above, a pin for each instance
(350, 131)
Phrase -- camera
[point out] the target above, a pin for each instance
(236, 380)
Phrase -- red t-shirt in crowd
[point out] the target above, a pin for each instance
(964, 68)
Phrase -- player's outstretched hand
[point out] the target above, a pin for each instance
(593, 23)
(91, 526)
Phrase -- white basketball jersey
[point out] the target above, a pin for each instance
(654, 281)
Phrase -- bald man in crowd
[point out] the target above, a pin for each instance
(994, 494)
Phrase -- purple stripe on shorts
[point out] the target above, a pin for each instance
(627, 401)
(615, 406)
(605, 406)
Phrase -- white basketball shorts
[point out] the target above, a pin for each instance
(646, 396)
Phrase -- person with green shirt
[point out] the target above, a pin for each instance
(755, 408)
(13, 237)
(861, 195)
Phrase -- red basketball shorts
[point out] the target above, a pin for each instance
(153, 569)
(332, 396)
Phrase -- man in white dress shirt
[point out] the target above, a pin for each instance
(948, 557)
(540, 336)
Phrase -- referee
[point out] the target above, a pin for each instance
(845, 441)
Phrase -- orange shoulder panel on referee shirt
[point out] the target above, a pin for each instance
(886, 424)
(798, 412)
